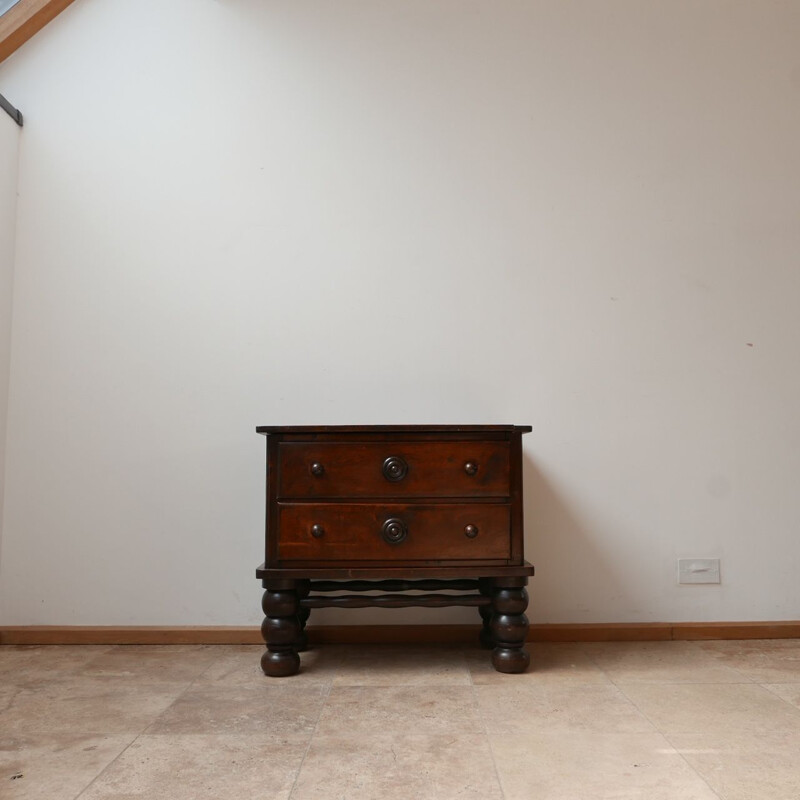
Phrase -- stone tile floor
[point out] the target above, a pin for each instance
(654, 720)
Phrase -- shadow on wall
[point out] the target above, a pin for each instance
(575, 580)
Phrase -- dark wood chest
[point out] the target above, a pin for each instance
(353, 508)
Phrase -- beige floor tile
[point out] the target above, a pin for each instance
(526, 708)
(594, 766)
(27, 663)
(241, 666)
(790, 692)
(740, 766)
(86, 705)
(201, 768)
(398, 767)
(7, 694)
(139, 665)
(659, 662)
(550, 664)
(704, 708)
(373, 710)
(746, 645)
(383, 665)
(286, 711)
(408, 720)
(762, 661)
(49, 767)
(207, 649)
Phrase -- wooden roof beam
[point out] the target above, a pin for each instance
(25, 20)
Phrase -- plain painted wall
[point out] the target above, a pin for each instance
(9, 158)
(580, 216)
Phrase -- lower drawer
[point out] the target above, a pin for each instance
(389, 532)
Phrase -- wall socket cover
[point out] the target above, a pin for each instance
(698, 570)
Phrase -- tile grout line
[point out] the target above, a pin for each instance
(14, 694)
(664, 735)
(79, 671)
(745, 678)
(482, 722)
(686, 761)
(113, 761)
(611, 680)
(142, 732)
(775, 694)
(669, 742)
(326, 691)
(655, 727)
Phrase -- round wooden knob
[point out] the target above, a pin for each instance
(470, 467)
(394, 531)
(317, 531)
(471, 531)
(395, 468)
(317, 469)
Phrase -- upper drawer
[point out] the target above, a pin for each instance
(393, 469)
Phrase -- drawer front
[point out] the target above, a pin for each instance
(393, 532)
(387, 469)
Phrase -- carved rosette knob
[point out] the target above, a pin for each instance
(471, 531)
(470, 467)
(317, 531)
(395, 468)
(394, 531)
(317, 469)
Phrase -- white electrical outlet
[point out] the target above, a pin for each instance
(698, 570)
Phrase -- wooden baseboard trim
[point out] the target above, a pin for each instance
(401, 634)
(152, 634)
(663, 631)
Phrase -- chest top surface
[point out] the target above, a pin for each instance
(388, 429)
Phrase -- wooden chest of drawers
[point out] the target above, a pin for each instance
(357, 508)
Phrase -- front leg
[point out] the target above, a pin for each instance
(281, 629)
(509, 625)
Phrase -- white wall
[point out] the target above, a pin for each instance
(581, 216)
(9, 158)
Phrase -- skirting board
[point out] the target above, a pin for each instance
(401, 634)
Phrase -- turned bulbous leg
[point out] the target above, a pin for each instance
(281, 631)
(509, 628)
